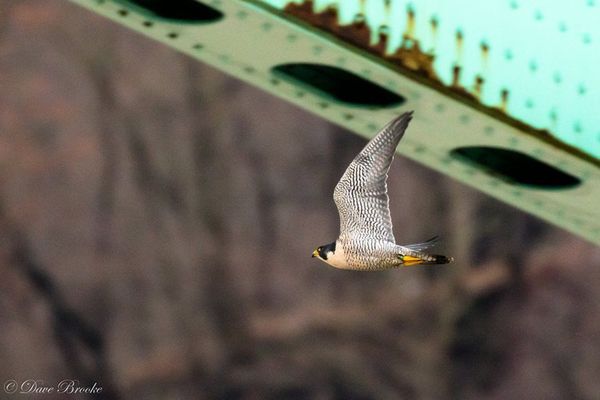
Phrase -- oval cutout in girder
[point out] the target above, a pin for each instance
(179, 10)
(339, 85)
(515, 167)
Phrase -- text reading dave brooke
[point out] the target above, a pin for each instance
(66, 386)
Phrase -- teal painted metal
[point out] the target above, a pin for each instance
(264, 47)
(544, 54)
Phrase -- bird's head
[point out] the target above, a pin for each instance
(324, 252)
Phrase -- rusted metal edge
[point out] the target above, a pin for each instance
(410, 61)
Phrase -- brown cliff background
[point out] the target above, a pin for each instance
(156, 224)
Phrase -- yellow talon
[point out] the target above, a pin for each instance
(409, 261)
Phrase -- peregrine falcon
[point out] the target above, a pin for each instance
(366, 240)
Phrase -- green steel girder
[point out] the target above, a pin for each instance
(272, 50)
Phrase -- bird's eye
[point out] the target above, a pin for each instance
(319, 249)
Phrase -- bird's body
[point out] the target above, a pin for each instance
(366, 240)
(369, 254)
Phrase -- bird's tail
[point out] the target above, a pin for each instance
(413, 254)
(424, 259)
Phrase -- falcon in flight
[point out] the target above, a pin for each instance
(366, 240)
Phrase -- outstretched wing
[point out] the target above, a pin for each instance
(361, 194)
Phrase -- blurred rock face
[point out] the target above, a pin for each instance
(157, 220)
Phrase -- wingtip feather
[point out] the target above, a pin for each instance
(400, 123)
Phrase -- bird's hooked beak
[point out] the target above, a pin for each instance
(315, 253)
